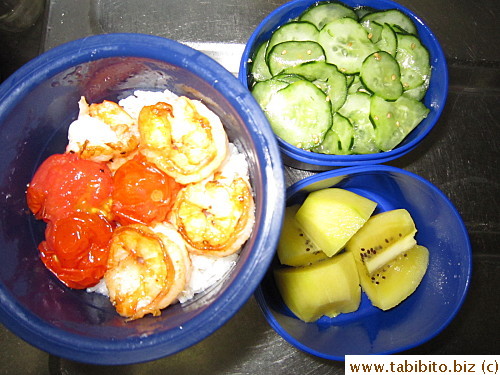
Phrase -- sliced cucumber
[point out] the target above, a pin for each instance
(388, 41)
(418, 92)
(339, 138)
(321, 14)
(392, 17)
(331, 144)
(288, 78)
(326, 77)
(414, 61)
(293, 53)
(293, 31)
(350, 79)
(262, 91)
(300, 114)
(400, 30)
(345, 131)
(328, 63)
(357, 110)
(357, 105)
(374, 30)
(380, 74)
(357, 86)
(346, 44)
(395, 120)
(362, 11)
(259, 69)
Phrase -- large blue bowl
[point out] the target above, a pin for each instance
(37, 103)
(420, 317)
(435, 98)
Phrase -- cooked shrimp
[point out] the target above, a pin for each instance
(103, 132)
(183, 138)
(215, 216)
(146, 270)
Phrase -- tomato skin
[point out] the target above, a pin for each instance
(66, 183)
(76, 248)
(73, 196)
(142, 193)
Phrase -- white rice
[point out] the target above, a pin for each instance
(134, 103)
(100, 288)
(236, 164)
(206, 270)
(89, 128)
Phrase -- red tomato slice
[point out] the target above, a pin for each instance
(66, 183)
(76, 248)
(142, 193)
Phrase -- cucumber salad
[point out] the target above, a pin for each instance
(340, 80)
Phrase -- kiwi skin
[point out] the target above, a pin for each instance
(331, 216)
(329, 287)
(294, 247)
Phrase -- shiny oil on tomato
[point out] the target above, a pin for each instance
(66, 183)
(142, 193)
(76, 248)
(73, 196)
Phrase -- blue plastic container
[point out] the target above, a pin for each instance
(37, 104)
(435, 98)
(421, 316)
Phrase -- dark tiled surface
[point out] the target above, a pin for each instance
(460, 157)
(19, 48)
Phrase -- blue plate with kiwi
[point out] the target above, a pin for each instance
(368, 329)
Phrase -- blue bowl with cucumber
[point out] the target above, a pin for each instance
(371, 260)
(345, 83)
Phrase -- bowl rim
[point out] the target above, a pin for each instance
(140, 349)
(302, 184)
(304, 157)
